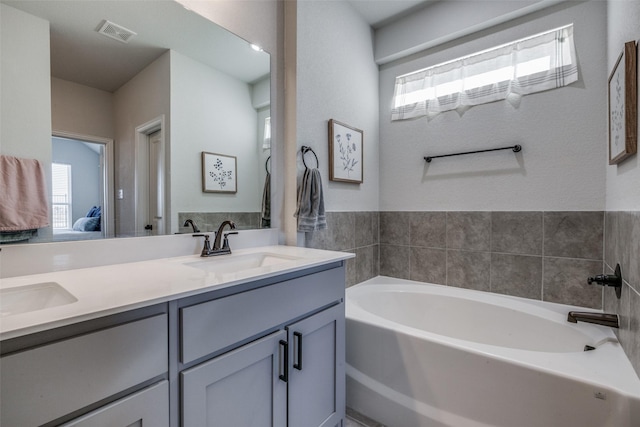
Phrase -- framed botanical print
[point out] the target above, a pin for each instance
(219, 173)
(345, 153)
(623, 119)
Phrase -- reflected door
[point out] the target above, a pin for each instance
(155, 222)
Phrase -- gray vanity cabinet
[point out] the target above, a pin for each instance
(317, 370)
(267, 353)
(147, 407)
(277, 356)
(51, 379)
(239, 388)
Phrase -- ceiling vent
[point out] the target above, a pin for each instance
(116, 32)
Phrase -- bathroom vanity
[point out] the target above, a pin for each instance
(251, 339)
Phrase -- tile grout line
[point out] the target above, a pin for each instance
(491, 252)
(543, 263)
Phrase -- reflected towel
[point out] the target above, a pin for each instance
(310, 211)
(266, 203)
(23, 194)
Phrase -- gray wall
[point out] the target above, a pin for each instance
(212, 112)
(337, 79)
(25, 112)
(81, 110)
(142, 99)
(511, 201)
(623, 191)
(622, 242)
(562, 131)
(409, 35)
(260, 22)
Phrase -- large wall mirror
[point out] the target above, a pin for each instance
(119, 100)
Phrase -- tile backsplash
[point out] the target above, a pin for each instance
(540, 255)
(210, 221)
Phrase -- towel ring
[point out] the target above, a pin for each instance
(266, 164)
(306, 149)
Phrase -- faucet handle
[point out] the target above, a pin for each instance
(614, 280)
(206, 249)
(225, 243)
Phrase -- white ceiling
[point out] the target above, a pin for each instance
(81, 55)
(380, 12)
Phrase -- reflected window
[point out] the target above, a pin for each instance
(61, 195)
(266, 142)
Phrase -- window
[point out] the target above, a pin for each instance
(533, 64)
(61, 195)
(266, 142)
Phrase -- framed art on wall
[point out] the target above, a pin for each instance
(623, 120)
(219, 173)
(345, 153)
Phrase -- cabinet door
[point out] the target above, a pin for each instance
(149, 407)
(317, 370)
(239, 388)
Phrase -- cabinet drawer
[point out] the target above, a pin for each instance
(149, 407)
(214, 325)
(48, 382)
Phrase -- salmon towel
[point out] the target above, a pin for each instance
(23, 194)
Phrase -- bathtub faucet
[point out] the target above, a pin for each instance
(604, 319)
(614, 280)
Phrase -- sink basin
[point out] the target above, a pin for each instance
(24, 299)
(224, 264)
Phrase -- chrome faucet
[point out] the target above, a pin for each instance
(192, 224)
(604, 319)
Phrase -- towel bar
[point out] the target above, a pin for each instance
(516, 148)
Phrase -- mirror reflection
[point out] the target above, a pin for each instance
(118, 100)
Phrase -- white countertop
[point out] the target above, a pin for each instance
(111, 289)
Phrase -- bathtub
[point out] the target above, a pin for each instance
(434, 356)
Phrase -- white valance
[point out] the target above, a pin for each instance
(533, 64)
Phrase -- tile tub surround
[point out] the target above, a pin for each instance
(539, 255)
(622, 245)
(355, 232)
(543, 255)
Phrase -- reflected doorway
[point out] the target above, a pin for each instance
(151, 209)
(81, 183)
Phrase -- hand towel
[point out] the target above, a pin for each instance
(23, 195)
(310, 211)
(266, 203)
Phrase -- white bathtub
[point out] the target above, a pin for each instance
(434, 356)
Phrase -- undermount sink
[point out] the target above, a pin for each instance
(24, 299)
(224, 264)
